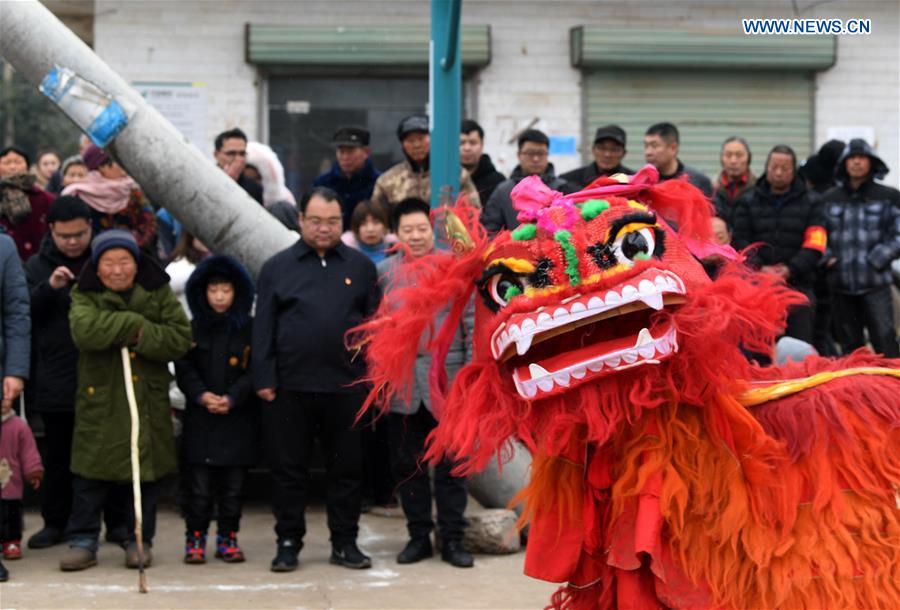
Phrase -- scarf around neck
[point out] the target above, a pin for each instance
(14, 202)
(108, 196)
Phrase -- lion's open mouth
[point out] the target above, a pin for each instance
(585, 336)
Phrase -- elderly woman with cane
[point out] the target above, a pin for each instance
(122, 300)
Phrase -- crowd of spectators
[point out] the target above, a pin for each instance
(91, 272)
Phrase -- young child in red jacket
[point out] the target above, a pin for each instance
(19, 462)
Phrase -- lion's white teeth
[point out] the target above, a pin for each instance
(654, 300)
(523, 343)
(644, 338)
(537, 371)
(561, 379)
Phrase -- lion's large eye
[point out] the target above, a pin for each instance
(635, 245)
(505, 286)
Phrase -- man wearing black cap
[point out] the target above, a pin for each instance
(863, 222)
(411, 178)
(352, 175)
(608, 151)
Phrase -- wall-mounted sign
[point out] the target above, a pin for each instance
(182, 104)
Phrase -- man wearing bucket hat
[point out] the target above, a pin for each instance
(411, 177)
(863, 222)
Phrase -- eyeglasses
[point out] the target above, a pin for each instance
(609, 150)
(534, 154)
(71, 236)
(235, 153)
(315, 221)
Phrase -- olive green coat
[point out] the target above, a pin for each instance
(102, 322)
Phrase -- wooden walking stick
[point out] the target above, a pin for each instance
(135, 467)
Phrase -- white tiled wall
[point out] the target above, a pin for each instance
(529, 78)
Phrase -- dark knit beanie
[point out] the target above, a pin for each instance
(114, 238)
(94, 157)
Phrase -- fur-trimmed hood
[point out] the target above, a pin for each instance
(244, 290)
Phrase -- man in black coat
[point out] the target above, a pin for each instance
(534, 149)
(661, 144)
(863, 222)
(352, 175)
(473, 158)
(310, 295)
(608, 150)
(231, 156)
(786, 218)
(50, 275)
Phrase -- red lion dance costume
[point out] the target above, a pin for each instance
(668, 471)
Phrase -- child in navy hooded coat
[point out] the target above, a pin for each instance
(221, 414)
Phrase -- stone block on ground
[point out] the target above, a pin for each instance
(492, 531)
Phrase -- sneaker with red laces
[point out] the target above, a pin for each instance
(227, 548)
(12, 549)
(195, 547)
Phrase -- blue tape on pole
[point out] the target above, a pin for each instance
(91, 108)
(107, 125)
(51, 85)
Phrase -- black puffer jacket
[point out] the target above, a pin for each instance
(580, 177)
(499, 214)
(219, 363)
(55, 357)
(486, 177)
(791, 233)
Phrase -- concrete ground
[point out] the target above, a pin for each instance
(496, 582)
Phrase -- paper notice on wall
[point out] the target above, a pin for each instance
(845, 134)
(563, 145)
(184, 105)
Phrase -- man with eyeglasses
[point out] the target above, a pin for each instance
(51, 274)
(231, 156)
(608, 151)
(308, 297)
(534, 150)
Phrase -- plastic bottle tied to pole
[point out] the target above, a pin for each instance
(93, 110)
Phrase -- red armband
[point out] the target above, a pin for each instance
(815, 238)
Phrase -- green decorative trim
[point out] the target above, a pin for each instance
(524, 232)
(564, 238)
(512, 291)
(593, 208)
(642, 256)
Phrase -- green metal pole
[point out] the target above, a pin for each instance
(445, 93)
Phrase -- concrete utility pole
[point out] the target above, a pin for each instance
(171, 171)
(445, 80)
